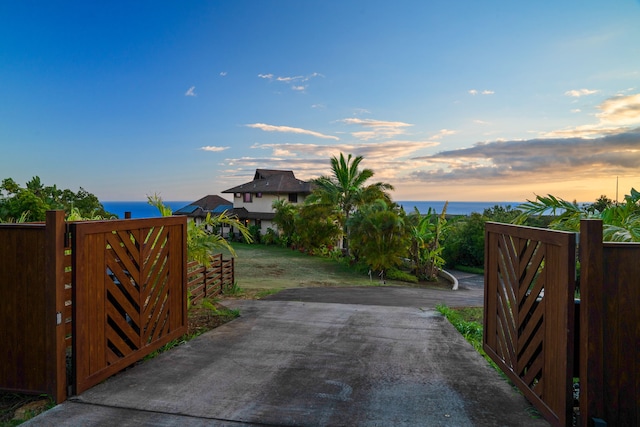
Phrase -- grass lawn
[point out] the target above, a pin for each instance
(263, 268)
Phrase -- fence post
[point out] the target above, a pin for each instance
(54, 289)
(591, 321)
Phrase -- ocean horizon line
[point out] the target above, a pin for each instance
(142, 209)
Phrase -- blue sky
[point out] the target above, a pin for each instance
(446, 100)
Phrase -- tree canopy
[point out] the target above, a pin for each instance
(31, 202)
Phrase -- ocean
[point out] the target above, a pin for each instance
(140, 209)
(144, 210)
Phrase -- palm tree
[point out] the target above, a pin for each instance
(620, 221)
(346, 191)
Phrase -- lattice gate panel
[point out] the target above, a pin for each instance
(130, 293)
(529, 285)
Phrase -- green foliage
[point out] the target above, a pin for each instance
(621, 222)
(316, 227)
(379, 235)
(254, 231)
(201, 243)
(31, 202)
(403, 276)
(270, 237)
(345, 190)
(426, 234)
(464, 244)
(233, 290)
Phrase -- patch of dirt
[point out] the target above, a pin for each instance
(203, 319)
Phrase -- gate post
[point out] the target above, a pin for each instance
(54, 289)
(591, 321)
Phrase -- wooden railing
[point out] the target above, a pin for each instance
(204, 282)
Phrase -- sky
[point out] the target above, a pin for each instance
(462, 100)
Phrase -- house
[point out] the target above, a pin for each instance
(252, 202)
(211, 204)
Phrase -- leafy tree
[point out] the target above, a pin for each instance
(35, 199)
(602, 203)
(464, 244)
(316, 226)
(379, 235)
(285, 219)
(346, 190)
(202, 243)
(504, 214)
(426, 237)
(621, 222)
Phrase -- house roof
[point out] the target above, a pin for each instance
(274, 182)
(211, 203)
(242, 214)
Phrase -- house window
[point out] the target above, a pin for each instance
(259, 195)
(237, 195)
(247, 198)
(293, 197)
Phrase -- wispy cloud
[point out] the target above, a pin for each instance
(213, 148)
(288, 129)
(191, 91)
(442, 133)
(376, 129)
(484, 92)
(223, 73)
(577, 93)
(616, 115)
(297, 83)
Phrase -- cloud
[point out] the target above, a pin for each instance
(376, 129)
(442, 133)
(616, 115)
(541, 158)
(484, 92)
(223, 73)
(213, 148)
(580, 92)
(296, 82)
(191, 91)
(288, 129)
(621, 110)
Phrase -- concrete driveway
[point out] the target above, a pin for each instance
(304, 363)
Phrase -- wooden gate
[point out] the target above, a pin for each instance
(129, 280)
(529, 312)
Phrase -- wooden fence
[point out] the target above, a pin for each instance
(609, 339)
(37, 298)
(533, 335)
(204, 282)
(35, 326)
